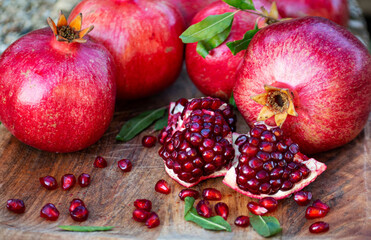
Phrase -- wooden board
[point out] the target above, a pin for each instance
(345, 186)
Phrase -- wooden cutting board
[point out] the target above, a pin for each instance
(345, 186)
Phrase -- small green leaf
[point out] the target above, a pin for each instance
(241, 4)
(232, 101)
(162, 122)
(188, 201)
(85, 228)
(207, 28)
(137, 124)
(264, 225)
(240, 45)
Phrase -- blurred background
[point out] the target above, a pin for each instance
(366, 8)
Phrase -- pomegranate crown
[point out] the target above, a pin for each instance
(71, 32)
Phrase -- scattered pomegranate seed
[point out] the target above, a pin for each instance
(222, 210)
(153, 220)
(149, 141)
(49, 212)
(80, 213)
(15, 205)
(321, 205)
(68, 181)
(162, 187)
(188, 193)
(140, 215)
(100, 162)
(302, 198)
(269, 203)
(84, 180)
(211, 194)
(203, 208)
(319, 227)
(256, 209)
(314, 212)
(76, 203)
(143, 204)
(242, 221)
(49, 182)
(125, 165)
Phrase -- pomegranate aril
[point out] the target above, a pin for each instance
(49, 182)
(241, 140)
(68, 181)
(188, 193)
(125, 165)
(80, 214)
(15, 205)
(84, 180)
(162, 187)
(153, 220)
(319, 204)
(265, 188)
(304, 170)
(149, 141)
(319, 227)
(256, 164)
(295, 176)
(222, 210)
(286, 185)
(242, 221)
(249, 150)
(49, 212)
(256, 132)
(314, 212)
(211, 194)
(294, 148)
(262, 176)
(100, 162)
(203, 208)
(256, 209)
(302, 198)
(140, 215)
(269, 203)
(76, 203)
(143, 204)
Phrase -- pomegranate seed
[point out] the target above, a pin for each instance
(222, 210)
(211, 194)
(80, 214)
(68, 181)
(269, 203)
(125, 165)
(321, 205)
(100, 162)
(188, 193)
(302, 198)
(153, 220)
(256, 209)
(314, 212)
(242, 221)
(15, 205)
(140, 215)
(49, 182)
(319, 227)
(149, 141)
(162, 187)
(49, 212)
(143, 204)
(76, 203)
(84, 180)
(203, 208)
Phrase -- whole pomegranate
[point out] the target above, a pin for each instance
(313, 76)
(215, 74)
(143, 37)
(335, 10)
(57, 89)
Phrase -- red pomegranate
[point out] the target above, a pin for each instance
(215, 74)
(57, 89)
(335, 10)
(313, 76)
(143, 37)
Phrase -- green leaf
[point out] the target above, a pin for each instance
(188, 201)
(241, 4)
(162, 122)
(240, 45)
(137, 124)
(232, 101)
(85, 228)
(265, 226)
(207, 28)
(205, 46)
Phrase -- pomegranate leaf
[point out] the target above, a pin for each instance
(240, 45)
(162, 122)
(266, 226)
(207, 28)
(216, 223)
(241, 4)
(232, 101)
(78, 228)
(137, 124)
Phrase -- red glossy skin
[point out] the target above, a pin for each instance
(143, 37)
(327, 69)
(55, 96)
(215, 74)
(335, 10)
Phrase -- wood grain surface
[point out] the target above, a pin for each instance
(345, 186)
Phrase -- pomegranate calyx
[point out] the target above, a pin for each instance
(71, 32)
(277, 102)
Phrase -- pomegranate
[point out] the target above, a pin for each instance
(188, 193)
(319, 227)
(267, 163)
(269, 203)
(222, 210)
(68, 181)
(143, 37)
(197, 141)
(319, 204)
(302, 198)
(49, 212)
(58, 88)
(76, 203)
(216, 77)
(153, 220)
(143, 204)
(149, 141)
(49, 182)
(203, 208)
(140, 215)
(335, 10)
(80, 213)
(242, 221)
(211, 194)
(162, 187)
(15, 205)
(125, 165)
(256, 209)
(315, 212)
(84, 180)
(100, 162)
(320, 98)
